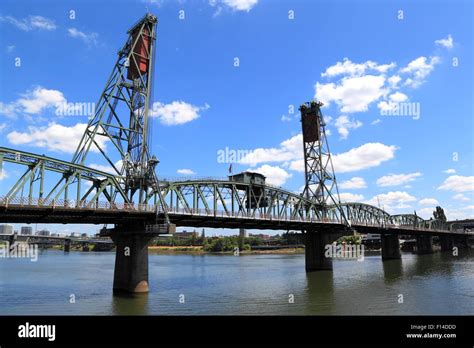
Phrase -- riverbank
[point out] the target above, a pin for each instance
(200, 250)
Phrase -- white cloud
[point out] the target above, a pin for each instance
(33, 102)
(54, 137)
(418, 70)
(377, 121)
(235, 5)
(40, 98)
(30, 23)
(425, 213)
(362, 157)
(90, 39)
(393, 81)
(428, 201)
(289, 150)
(176, 113)
(393, 102)
(343, 124)
(107, 168)
(450, 171)
(352, 94)
(461, 213)
(354, 183)
(458, 183)
(358, 85)
(392, 200)
(3, 174)
(185, 172)
(447, 42)
(398, 97)
(7, 109)
(365, 156)
(350, 197)
(461, 197)
(346, 67)
(397, 179)
(274, 174)
(386, 106)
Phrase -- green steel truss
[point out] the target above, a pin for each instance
(73, 182)
(320, 180)
(122, 115)
(81, 187)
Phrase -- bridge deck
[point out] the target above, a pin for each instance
(107, 214)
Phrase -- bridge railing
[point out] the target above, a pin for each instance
(244, 215)
(151, 208)
(74, 204)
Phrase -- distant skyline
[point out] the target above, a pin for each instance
(395, 79)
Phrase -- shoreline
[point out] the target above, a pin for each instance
(199, 250)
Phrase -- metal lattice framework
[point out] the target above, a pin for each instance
(121, 116)
(72, 177)
(320, 180)
(194, 199)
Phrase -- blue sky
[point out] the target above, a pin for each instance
(363, 59)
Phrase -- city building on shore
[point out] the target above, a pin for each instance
(260, 236)
(43, 233)
(6, 229)
(26, 230)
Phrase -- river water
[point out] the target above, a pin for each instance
(252, 284)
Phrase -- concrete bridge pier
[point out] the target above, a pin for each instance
(446, 242)
(424, 244)
(390, 247)
(315, 259)
(67, 245)
(131, 258)
(463, 242)
(12, 239)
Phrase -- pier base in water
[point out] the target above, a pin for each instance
(390, 247)
(446, 242)
(131, 258)
(424, 244)
(67, 245)
(315, 247)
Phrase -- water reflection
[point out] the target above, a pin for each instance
(129, 304)
(435, 284)
(392, 270)
(319, 292)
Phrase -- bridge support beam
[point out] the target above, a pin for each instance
(424, 244)
(315, 244)
(131, 258)
(390, 247)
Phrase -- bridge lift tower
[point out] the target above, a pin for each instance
(320, 184)
(122, 118)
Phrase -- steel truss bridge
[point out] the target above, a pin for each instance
(206, 202)
(132, 196)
